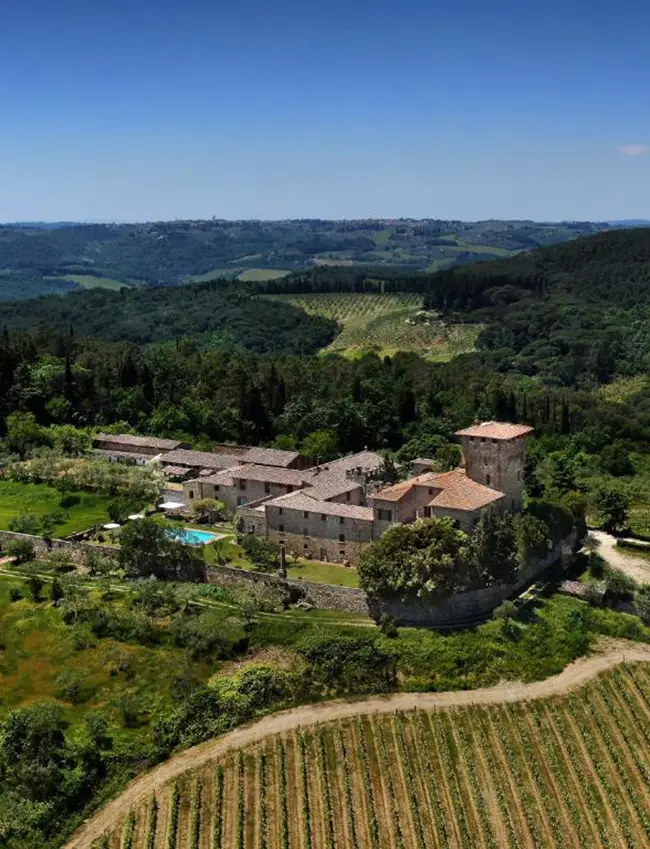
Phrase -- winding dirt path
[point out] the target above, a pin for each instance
(140, 788)
(622, 559)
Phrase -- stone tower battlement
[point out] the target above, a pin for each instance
(493, 453)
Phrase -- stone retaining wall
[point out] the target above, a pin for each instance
(42, 548)
(457, 609)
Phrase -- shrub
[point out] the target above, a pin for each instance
(263, 554)
(69, 684)
(15, 594)
(619, 586)
(61, 560)
(22, 550)
(35, 586)
(25, 524)
(56, 591)
(387, 625)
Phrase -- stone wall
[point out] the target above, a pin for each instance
(42, 548)
(459, 609)
(319, 548)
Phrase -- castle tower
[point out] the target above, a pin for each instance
(494, 456)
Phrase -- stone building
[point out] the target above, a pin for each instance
(331, 511)
(132, 449)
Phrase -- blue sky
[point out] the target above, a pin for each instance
(154, 110)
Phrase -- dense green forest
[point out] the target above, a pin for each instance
(36, 260)
(217, 314)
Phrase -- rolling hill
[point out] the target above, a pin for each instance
(35, 259)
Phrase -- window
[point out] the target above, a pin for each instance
(289, 488)
(306, 546)
(191, 494)
(341, 537)
(216, 489)
(482, 439)
(347, 496)
(305, 514)
(488, 480)
(267, 488)
(323, 517)
(341, 552)
(305, 532)
(279, 511)
(519, 474)
(281, 528)
(385, 515)
(341, 520)
(242, 500)
(242, 484)
(430, 492)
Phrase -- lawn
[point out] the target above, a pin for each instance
(17, 499)
(88, 281)
(324, 573)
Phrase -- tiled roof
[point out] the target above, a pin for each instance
(496, 430)
(323, 487)
(465, 494)
(202, 459)
(135, 441)
(301, 501)
(395, 492)
(174, 471)
(222, 478)
(131, 455)
(270, 457)
(366, 460)
(269, 474)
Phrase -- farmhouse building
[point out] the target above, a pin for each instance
(332, 511)
(132, 449)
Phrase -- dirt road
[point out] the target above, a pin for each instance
(636, 568)
(573, 676)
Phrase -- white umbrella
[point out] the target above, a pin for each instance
(135, 516)
(111, 526)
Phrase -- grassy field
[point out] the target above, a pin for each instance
(380, 323)
(324, 573)
(254, 274)
(17, 499)
(87, 281)
(562, 773)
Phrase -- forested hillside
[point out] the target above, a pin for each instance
(211, 314)
(36, 260)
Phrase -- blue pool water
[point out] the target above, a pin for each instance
(190, 536)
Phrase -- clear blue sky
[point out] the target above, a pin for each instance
(135, 109)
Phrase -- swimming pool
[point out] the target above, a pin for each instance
(191, 536)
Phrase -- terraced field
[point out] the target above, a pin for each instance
(565, 771)
(382, 323)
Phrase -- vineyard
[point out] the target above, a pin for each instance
(382, 323)
(569, 771)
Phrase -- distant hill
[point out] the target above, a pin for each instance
(41, 258)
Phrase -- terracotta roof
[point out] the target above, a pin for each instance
(134, 441)
(465, 494)
(395, 492)
(222, 478)
(202, 459)
(496, 430)
(132, 455)
(366, 460)
(324, 487)
(174, 471)
(301, 501)
(268, 474)
(269, 457)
